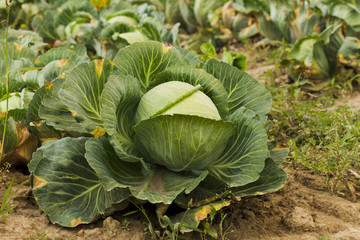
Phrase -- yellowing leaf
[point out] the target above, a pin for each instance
(49, 85)
(99, 66)
(98, 132)
(76, 221)
(38, 182)
(98, 4)
(18, 46)
(62, 62)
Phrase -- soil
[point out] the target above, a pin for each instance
(351, 99)
(303, 209)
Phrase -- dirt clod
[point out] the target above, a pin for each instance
(300, 218)
(111, 223)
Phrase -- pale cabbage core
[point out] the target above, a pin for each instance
(176, 98)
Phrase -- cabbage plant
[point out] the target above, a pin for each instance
(102, 26)
(155, 125)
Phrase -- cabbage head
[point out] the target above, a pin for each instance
(155, 125)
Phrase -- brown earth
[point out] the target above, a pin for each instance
(303, 209)
(351, 99)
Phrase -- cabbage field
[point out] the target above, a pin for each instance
(188, 119)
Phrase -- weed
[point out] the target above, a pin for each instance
(125, 225)
(38, 237)
(112, 232)
(6, 205)
(223, 232)
(322, 138)
(209, 231)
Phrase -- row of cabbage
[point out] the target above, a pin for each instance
(321, 33)
(122, 120)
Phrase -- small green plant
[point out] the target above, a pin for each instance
(112, 232)
(6, 206)
(237, 60)
(223, 232)
(125, 225)
(38, 237)
(322, 238)
(6, 202)
(210, 232)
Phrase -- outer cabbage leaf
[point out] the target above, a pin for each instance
(145, 60)
(242, 89)
(350, 49)
(172, 11)
(272, 178)
(132, 37)
(191, 219)
(209, 190)
(34, 105)
(45, 25)
(74, 55)
(276, 25)
(347, 12)
(120, 99)
(190, 57)
(25, 38)
(82, 90)
(315, 56)
(170, 36)
(71, 10)
(203, 8)
(55, 111)
(187, 12)
(204, 198)
(52, 71)
(244, 157)
(64, 185)
(152, 28)
(117, 27)
(11, 134)
(16, 80)
(157, 185)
